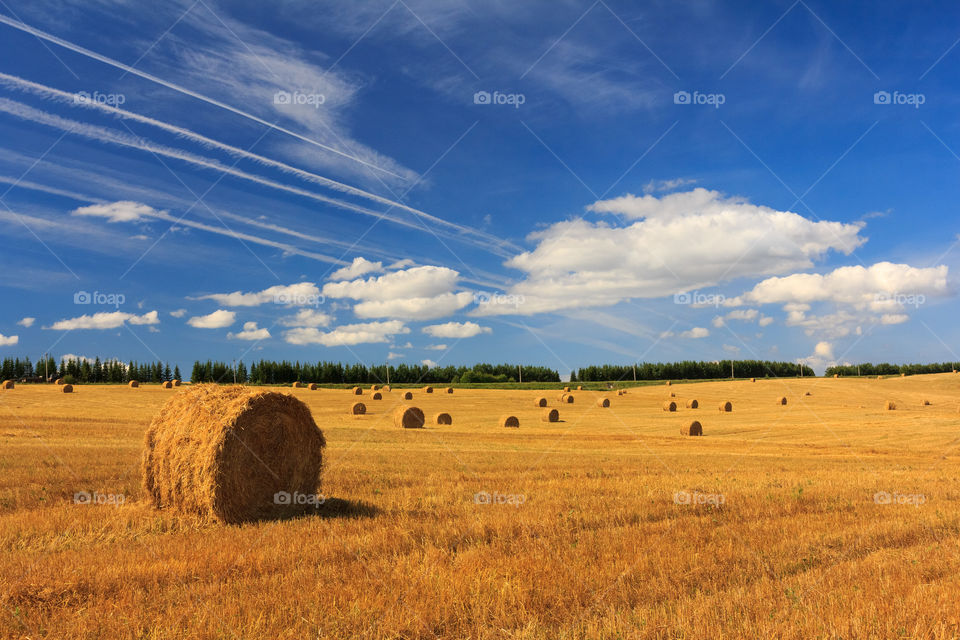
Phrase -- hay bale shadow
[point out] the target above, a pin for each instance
(331, 508)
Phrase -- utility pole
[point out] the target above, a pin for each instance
(388, 373)
(234, 371)
(520, 373)
(46, 369)
(801, 369)
(634, 371)
(731, 370)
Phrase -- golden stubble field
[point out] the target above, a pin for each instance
(825, 518)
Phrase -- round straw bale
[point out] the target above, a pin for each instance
(449, 389)
(8, 384)
(726, 407)
(377, 396)
(428, 389)
(903, 375)
(297, 385)
(386, 387)
(232, 453)
(879, 377)
(673, 395)
(408, 417)
(926, 403)
(509, 421)
(567, 398)
(890, 405)
(66, 388)
(133, 384)
(58, 381)
(579, 387)
(692, 429)
(693, 404)
(836, 375)
(313, 386)
(566, 389)
(357, 391)
(407, 395)
(374, 387)
(668, 383)
(603, 402)
(620, 392)
(443, 418)
(541, 402)
(358, 408)
(808, 393)
(782, 400)
(753, 379)
(669, 406)
(167, 385)
(176, 383)
(548, 415)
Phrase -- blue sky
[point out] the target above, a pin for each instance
(559, 183)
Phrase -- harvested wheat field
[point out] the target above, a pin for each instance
(828, 517)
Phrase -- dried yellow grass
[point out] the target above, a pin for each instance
(579, 387)
(408, 417)
(549, 415)
(374, 387)
(443, 418)
(226, 452)
(176, 383)
(890, 405)
(566, 398)
(509, 421)
(668, 383)
(449, 389)
(58, 381)
(386, 387)
(566, 389)
(297, 385)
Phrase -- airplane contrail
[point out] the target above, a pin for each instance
(16, 24)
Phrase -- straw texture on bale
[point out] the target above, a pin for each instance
(541, 402)
(407, 395)
(509, 421)
(726, 406)
(167, 385)
(693, 404)
(443, 418)
(176, 383)
(133, 384)
(782, 400)
(357, 391)
(297, 385)
(313, 386)
(692, 429)
(358, 408)
(428, 389)
(374, 387)
(669, 406)
(603, 402)
(549, 415)
(408, 417)
(225, 452)
(386, 387)
(449, 389)
(566, 398)
(890, 406)
(377, 396)
(8, 384)
(65, 388)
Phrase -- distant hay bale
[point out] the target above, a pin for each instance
(603, 402)
(313, 386)
(879, 377)
(386, 387)
(549, 415)
(621, 392)
(58, 381)
(408, 417)
(926, 403)
(669, 406)
(890, 405)
(753, 379)
(407, 395)
(428, 389)
(836, 375)
(65, 388)
(668, 383)
(692, 429)
(579, 387)
(808, 393)
(227, 452)
(566, 398)
(449, 390)
(782, 400)
(8, 384)
(693, 404)
(673, 395)
(903, 375)
(297, 385)
(726, 407)
(176, 383)
(566, 389)
(357, 391)
(358, 408)
(443, 418)
(509, 421)
(377, 396)
(133, 384)
(541, 402)
(374, 387)
(167, 385)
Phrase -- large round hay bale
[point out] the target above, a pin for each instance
(693, 404)
(428, 389)
(232, 453)
(566, 389)
(297, 385)
(358, 408)
(167, 385)
(58, 381)
(692, 429)
(603, 402)
(726, 407)
(549, 415)
(386, 387)
(374, 387)
(133, 384)
(8, 384)
(408, 417)
(357, 391)
(669, 405)
(509, 421)
(890, 405)
(407, 395)
(65, 388)
(541, 402)
(377, 396)
(782, 400)
(443, 418)
(313, 386)
(176, 383)
(449, 389)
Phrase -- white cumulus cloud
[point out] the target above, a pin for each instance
(106, 320)
(123, 211)
(359, 267)
(418, 293)
(26, 322)
(300, 294)
(456, 330)
(350, 334)
(178, 313)
(307, 318)
(217, 320)
(250, 332)
(6, 341)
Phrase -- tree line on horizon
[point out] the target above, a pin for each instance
(887, 369)
(86, 371)
(690, 370)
